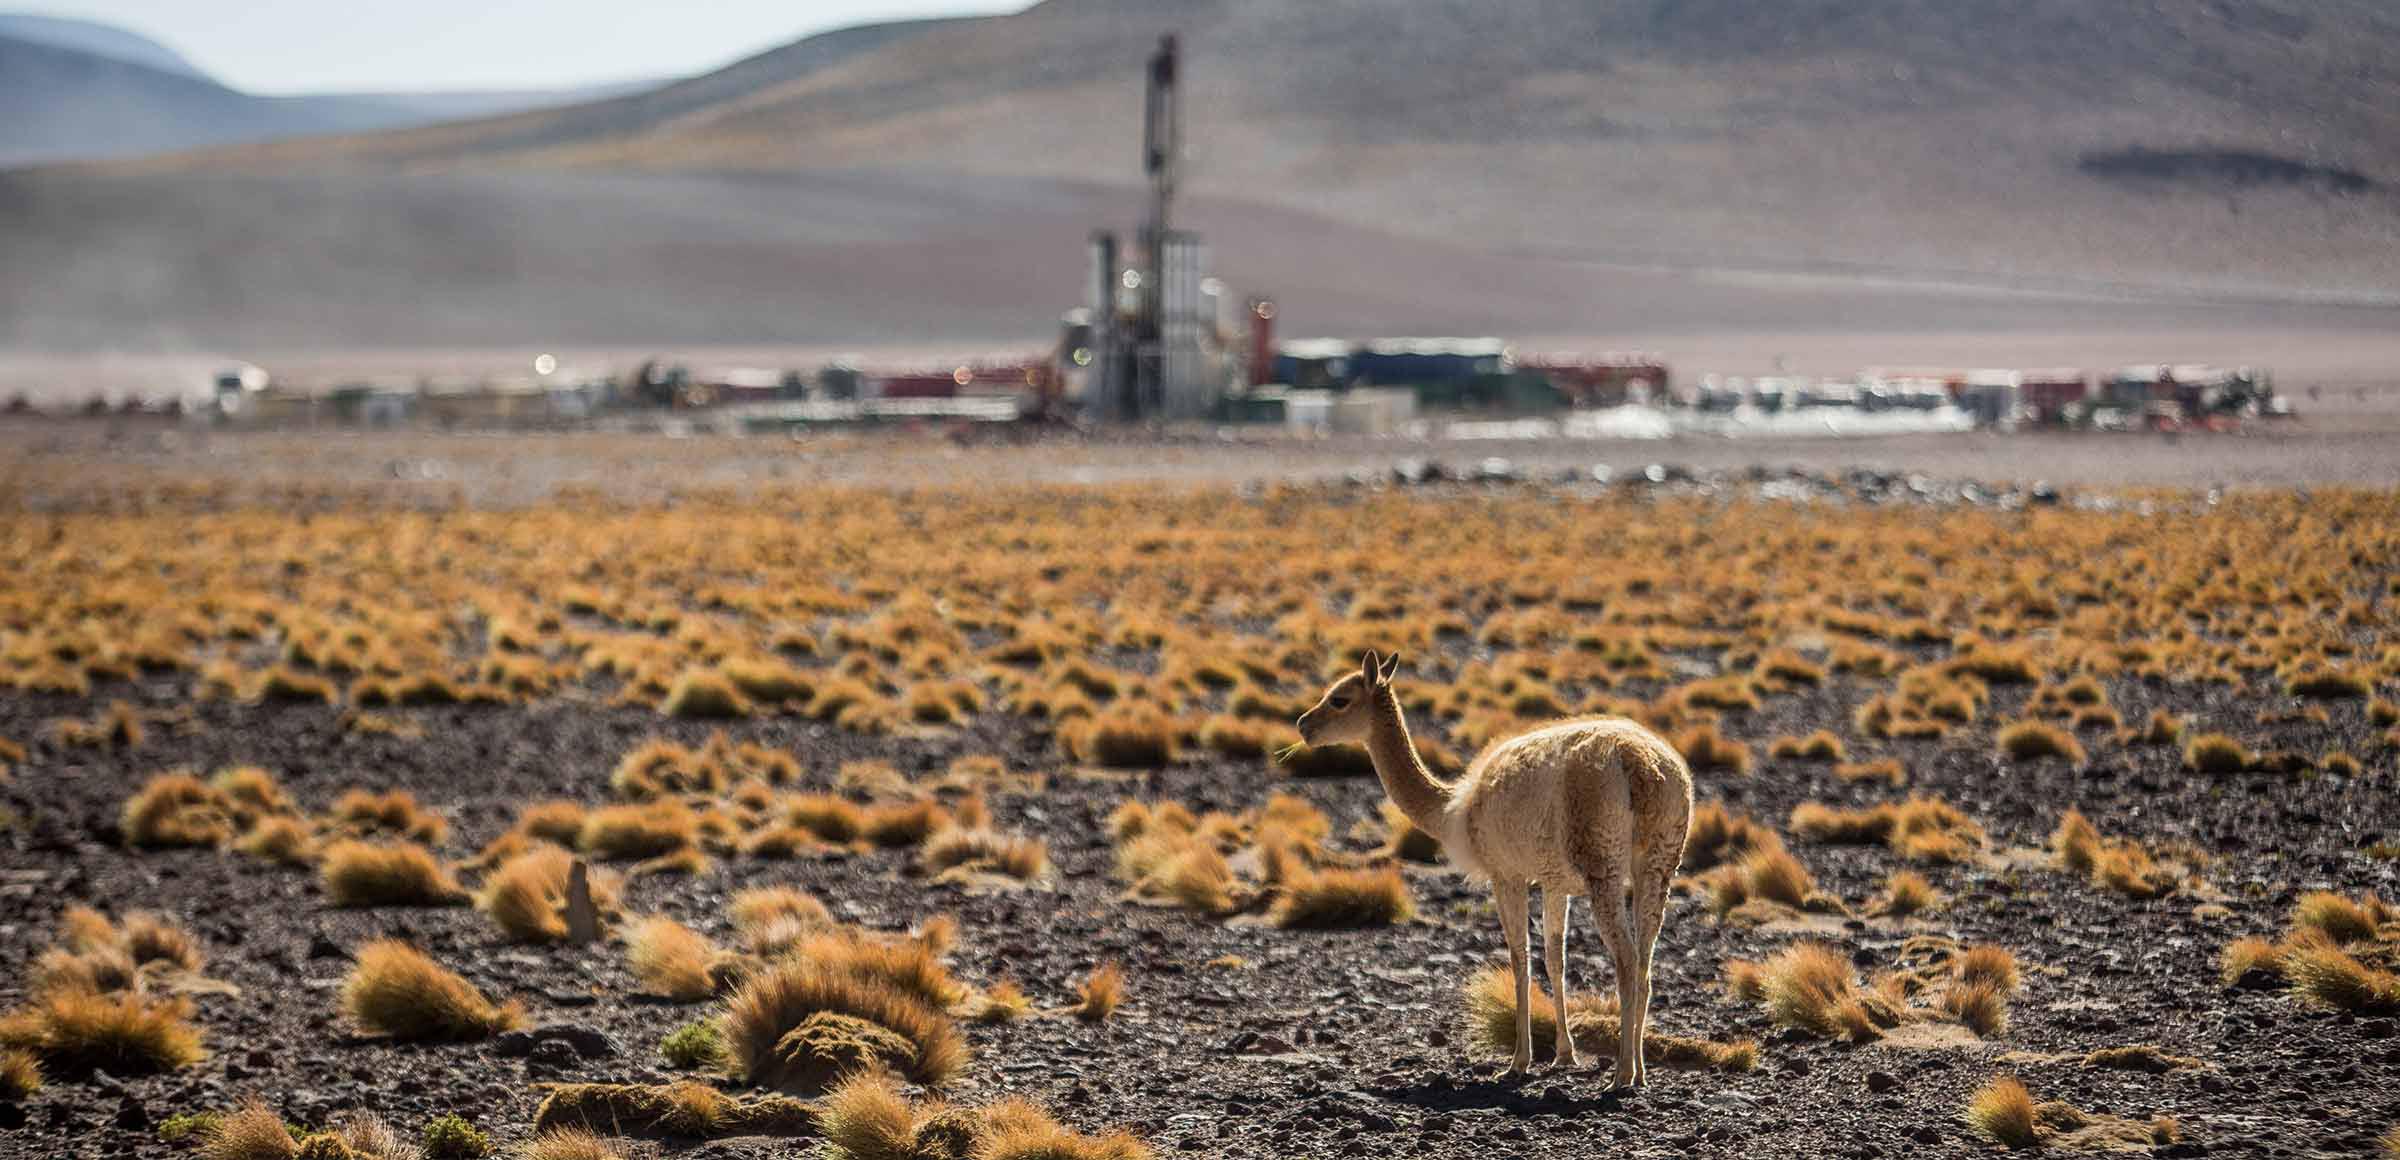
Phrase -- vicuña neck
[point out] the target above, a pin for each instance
(1412, 787)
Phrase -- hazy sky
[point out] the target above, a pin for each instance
(287, 46)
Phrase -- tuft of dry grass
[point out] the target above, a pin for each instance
(20, 1074)
(987, 851)
(2330, 684)
(151, 938)
(1003, 1002)
(800, 1025)
(1592, 1021)
(73, 1031)
(1812, 988)
(1182, 868)
(1887, 770)
(645, 830)
(394, 990)
(1921, 829)
(868, 1117)
(250, 1132)
(2142, 1057)
(763, 907)
(826, 817)
(394, 813)
(2250, 962)
(1017, 1130)
(1979, 1005)
(1820, 746)
(2339, 919)
(706, 695)
(1098, 995)
(173, 810)
(285, 841)
(2215, 753)
(2076, 842)
(2032, 740)
(910, 965)
(1905, 893)
(671, 960)
(1987, 964)
(1344, 899)
(2128, 869)
(568, 1144)
(527, 896)
(404, 874)
(2002, 1111)
(1126, 737)
(901, 825)
(1706, 750)
(1718, 836)
(1405, 840)
(2330, 977)
(768, 681)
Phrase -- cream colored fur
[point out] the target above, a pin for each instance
(1596, 807)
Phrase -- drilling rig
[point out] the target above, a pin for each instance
(1152, 347)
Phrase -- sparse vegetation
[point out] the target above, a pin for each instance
(1592, 1021)
(404, 874)
(934, 692)
(250, 1132)
(799, 1025)
(698, 1044)
(1344, 900)
(671, 961)
(2034, 740)
(2002, 1112)
(394, 990)
(76, 1031)
(451, 1137)
(2215, 753)
(1097, 997)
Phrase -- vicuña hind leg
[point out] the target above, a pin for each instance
(1555, 905)
(1515, 903)
(1614, 917)
(1649, 912)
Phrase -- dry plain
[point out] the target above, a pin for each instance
(881, 751)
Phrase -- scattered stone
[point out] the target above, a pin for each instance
(583, 1041)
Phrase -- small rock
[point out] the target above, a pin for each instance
(553, 1054)
(131, 1115)
(1882, 1081)
(583, 1041)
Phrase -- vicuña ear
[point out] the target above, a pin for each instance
(1391, 665)
(1367, 665)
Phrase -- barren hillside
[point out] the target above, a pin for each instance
(2237, 148)
(2242, 142)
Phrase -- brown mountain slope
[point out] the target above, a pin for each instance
(2234, 143)
(2236, 148)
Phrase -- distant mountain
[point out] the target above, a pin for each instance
(98, 39)
(77, 91)
(2230, 142)
(2233, 150)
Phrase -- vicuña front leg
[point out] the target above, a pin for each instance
(1515, 904)
(1555, 905)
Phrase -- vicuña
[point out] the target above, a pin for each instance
(1596, 806)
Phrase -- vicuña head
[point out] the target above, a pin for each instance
(1594, 807)
(1346, 711)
